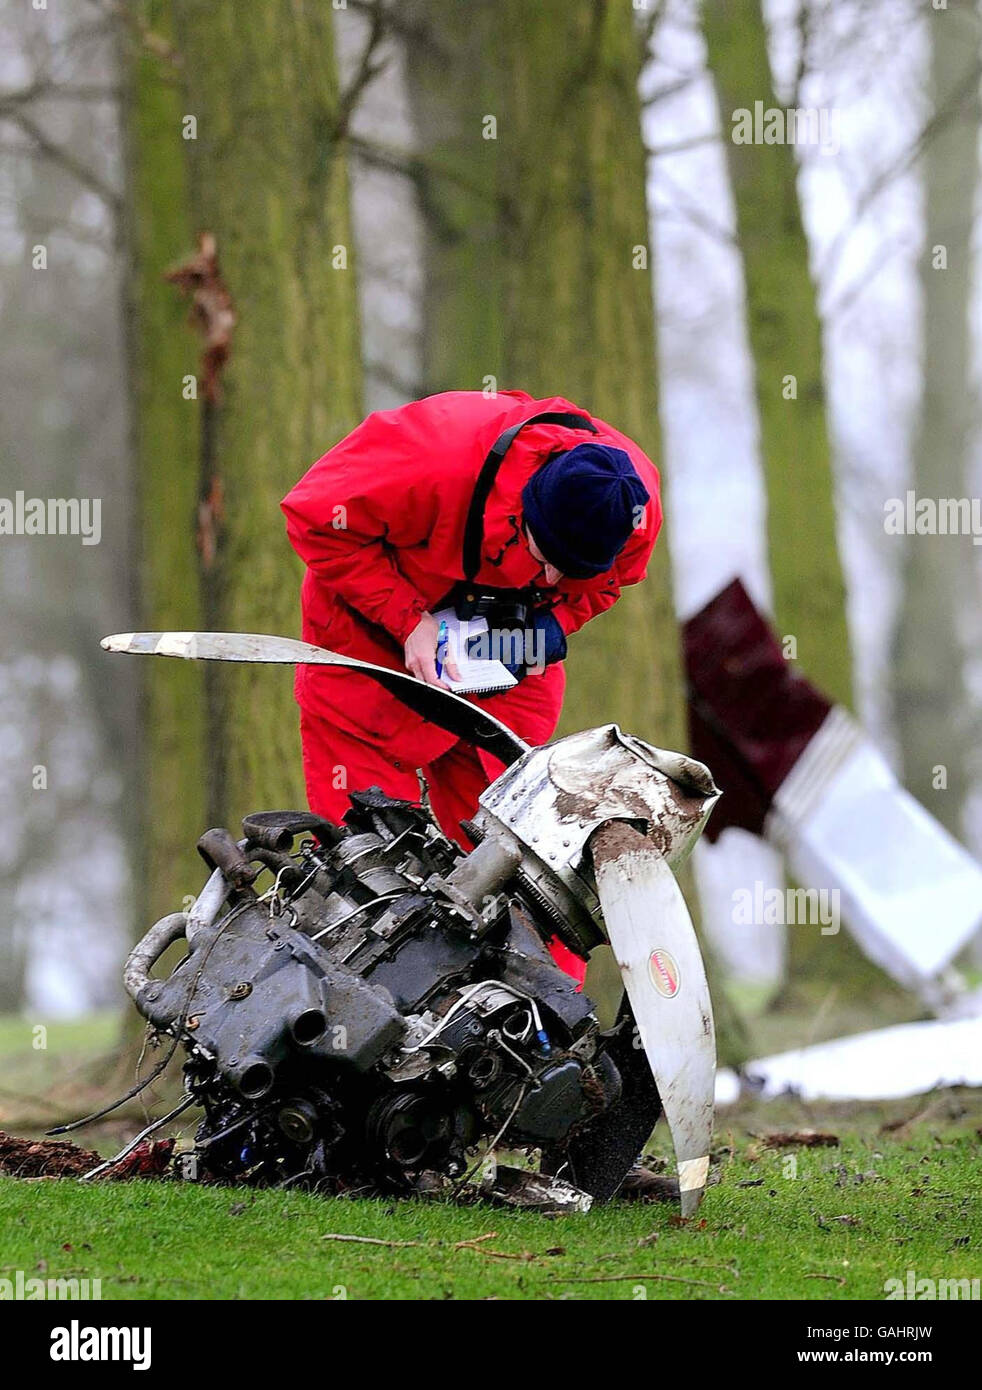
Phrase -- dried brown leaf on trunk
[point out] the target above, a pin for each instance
(211, 514)
(212, 311)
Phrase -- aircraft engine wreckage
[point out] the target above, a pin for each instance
(386, 1005)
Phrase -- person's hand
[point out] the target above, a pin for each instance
(548, 645)
(420, 653)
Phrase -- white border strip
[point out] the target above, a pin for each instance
(693, 1173)
(804, 787)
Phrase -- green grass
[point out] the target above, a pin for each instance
(846, 1221)
(834, 1225)
(61, 1040)
(55, 1069)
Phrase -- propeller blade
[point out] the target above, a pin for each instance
(451, 712)
(655, 944)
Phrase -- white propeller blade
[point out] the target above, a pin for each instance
(440, 706)
(655, 944)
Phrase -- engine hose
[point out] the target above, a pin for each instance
(220, 851)
(146, 953)
(205, 908)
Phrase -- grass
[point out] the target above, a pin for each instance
(899, 1192)
(792, 1223)
(34, 1051)
(44, 1056)
(56, 1069)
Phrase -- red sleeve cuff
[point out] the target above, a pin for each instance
(403, 611)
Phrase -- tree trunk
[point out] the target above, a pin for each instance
(532, 183)
(539, 274)
(261, 168)
(165, 432)
(930, 698)
(785, 342)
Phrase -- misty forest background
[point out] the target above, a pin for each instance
(426, 195)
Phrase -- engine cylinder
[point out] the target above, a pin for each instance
(253, 1077)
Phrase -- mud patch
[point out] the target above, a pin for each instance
(38, 1158)
(804, 1138)
(691, 805)
(615, 839)
(59, 1158)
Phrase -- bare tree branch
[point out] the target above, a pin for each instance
(648, 25)
(387, 376)
(683, 209)
(670, 213)
(847, 298)
(45, 228)
(691, 142)
(804, 26)
(671, 89)
(412, 32)
(416, 167)
(47, 90)
(49, 149)
(368, 69)
(898, 166)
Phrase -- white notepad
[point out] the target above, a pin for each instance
(477, 677)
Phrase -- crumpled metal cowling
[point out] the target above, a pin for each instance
(554, 798)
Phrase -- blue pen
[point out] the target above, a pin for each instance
(441, 645)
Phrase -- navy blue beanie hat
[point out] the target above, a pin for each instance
(581, 507)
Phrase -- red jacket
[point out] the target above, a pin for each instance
(379, 522)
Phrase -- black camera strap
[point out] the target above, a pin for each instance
(474, 527)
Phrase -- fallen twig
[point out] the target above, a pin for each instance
(525, 1255)
(637, 1279)
(373, 1240)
